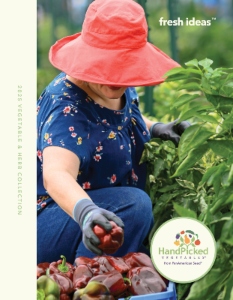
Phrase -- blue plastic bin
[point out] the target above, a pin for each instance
(170, 294)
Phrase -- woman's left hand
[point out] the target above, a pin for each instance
(170, 131)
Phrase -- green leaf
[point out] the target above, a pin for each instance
(210, 286)
(193, 137)
(184, 212)
(191, 113)
(230, 160)
(230, 176)
(193, 156)
(222, 148)
(168, 188)
(225, 197)
(205, 84)
(174, 71)
(192, 63)
(227, 233)
(186, 184)
(222, 103)
(185, 98)
(205, 62)
(228, 291)
(180, 70)
(206, 118)
(191, 86)
(227, 90)
(177, 77)
(158, 166)
(209, 172)
(182, 290)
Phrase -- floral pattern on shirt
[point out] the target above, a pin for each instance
(108, 143)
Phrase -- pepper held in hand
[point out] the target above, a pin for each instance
(109, 241)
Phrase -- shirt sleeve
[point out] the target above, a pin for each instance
(68, 128)
(133, 95)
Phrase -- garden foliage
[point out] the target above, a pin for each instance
(196, 179)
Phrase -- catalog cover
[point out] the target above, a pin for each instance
(123, 109)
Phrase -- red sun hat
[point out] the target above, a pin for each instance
(112, 48)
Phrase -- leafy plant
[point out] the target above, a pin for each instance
(196, 179)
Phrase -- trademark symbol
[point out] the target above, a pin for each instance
(213, 18)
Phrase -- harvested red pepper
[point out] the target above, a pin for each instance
(118, 264)
(114, 281)
(64, 297)
(104, 265)
(64, 282)
(47, 288)
(109, 241)
(145, 280)
(81, 276)
(93, 291)
(92, 264)
(41, 269)
(138, 259)
(62, 267)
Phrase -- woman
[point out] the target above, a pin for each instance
(91, 134)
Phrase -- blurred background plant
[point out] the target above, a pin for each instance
(58, 18)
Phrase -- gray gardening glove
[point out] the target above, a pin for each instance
(87, 215)
(170, 131)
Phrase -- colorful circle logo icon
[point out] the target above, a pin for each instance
(183, 250)
(187, 237)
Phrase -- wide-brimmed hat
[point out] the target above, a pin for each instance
(112, 48)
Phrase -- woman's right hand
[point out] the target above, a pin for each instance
(60, 171)
(87, 214)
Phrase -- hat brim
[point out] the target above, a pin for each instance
(125, 67)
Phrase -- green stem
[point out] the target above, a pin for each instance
(48, 272)
(63, 267)
(126, 279)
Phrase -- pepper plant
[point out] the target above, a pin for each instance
(196, 179)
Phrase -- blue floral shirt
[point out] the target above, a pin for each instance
(109, 143)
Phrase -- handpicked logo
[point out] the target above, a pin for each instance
(187, 238)
(183, 249)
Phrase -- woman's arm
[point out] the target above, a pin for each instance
(148, 122)
(60, 171)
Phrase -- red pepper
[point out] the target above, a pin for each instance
(109, 241)
(62, 267)
(92, 264)
(118, 264)
(64, 297)
(81, 276)
(145, 280)
(104, 265)
(113, 281)
(41, 269)
(64, 282)
(138, 259)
